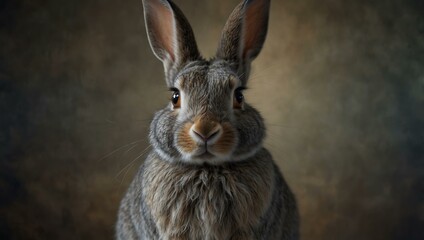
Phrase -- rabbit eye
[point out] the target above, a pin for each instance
(238, 98)
(176, 99)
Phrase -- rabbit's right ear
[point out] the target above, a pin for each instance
(244, 34)
(170, 35)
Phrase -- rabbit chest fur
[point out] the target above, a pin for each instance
(207, 202)
(235, 201)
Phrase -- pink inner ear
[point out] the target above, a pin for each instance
(254, 27)
(162, 27)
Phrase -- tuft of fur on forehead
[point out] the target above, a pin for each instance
(214, 69)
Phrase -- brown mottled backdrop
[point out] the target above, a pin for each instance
(340, 84)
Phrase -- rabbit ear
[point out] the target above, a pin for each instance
(244, 34)
(170, 35)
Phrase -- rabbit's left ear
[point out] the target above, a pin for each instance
(244, 35)
(170, 35)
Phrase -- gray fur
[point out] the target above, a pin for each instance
(234, 192)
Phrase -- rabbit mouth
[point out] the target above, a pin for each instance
(204, 152)
(206, 155)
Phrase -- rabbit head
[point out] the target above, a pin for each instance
(207, 119)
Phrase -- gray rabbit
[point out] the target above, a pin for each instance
(208, 176)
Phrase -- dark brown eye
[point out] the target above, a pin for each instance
(176, 99)
(238, 98)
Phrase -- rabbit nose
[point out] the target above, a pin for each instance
(205, 131)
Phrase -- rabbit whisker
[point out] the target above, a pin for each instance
(118, 149)
(129, 165)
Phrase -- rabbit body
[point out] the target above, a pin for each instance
(208, 176)
(245, 200)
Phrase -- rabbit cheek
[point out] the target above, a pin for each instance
(184, 141)
(227, 141)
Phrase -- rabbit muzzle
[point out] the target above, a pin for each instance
(207, 139)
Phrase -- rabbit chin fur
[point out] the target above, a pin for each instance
(208, 176)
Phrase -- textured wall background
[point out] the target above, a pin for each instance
(340, 83)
